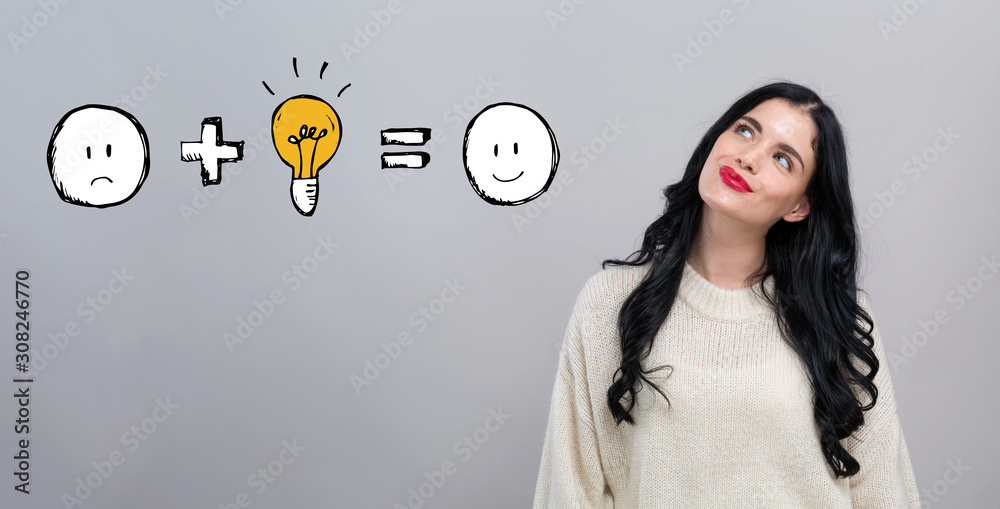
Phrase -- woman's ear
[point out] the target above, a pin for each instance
(800, 212)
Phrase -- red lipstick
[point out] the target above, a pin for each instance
(734, 180)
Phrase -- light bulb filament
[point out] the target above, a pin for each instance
(306, 133)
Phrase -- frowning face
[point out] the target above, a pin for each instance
(98, 156)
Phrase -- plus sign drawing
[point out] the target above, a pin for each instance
(212, 151)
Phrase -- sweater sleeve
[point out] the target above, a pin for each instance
(570, 475)
(886, 477)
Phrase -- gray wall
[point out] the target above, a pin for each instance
(494, 347)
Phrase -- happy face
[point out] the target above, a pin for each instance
(510, 154)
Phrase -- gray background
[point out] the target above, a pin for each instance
(495, 345)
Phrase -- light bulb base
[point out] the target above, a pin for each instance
(305, 193)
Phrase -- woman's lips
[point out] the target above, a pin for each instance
(734, 180)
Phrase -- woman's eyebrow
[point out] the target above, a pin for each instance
(783, 146)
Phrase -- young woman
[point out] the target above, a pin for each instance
(743, 305)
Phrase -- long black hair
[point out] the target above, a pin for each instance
(814, 265)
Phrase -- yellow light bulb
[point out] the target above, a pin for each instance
(306, 133)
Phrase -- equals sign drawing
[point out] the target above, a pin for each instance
(414, 137)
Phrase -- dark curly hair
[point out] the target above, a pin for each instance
(814, 265)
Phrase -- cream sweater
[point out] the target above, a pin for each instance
(740, 431)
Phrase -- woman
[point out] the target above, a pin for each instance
(744, 295)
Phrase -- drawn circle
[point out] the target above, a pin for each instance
(98, 156)
(510, 154)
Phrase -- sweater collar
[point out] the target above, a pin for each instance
(720, 303)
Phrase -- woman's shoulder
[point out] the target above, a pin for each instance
(618, 277)
(607, 289)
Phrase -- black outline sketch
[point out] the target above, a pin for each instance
(388, 138)
(472, 179)
(307, 132)
(295, 67)
(50, 154)
(305, 190)
(403, 160)
(340, 132)
(411, 137)
(208, 175)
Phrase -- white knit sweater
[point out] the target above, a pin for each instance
(740, 430)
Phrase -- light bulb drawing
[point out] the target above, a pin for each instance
(306, 132)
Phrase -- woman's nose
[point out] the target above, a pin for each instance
(748, 160)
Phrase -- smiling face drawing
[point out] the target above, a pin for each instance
(98, 156)
(510, 154)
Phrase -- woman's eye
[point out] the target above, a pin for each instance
(741, 129)
(787, 163)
